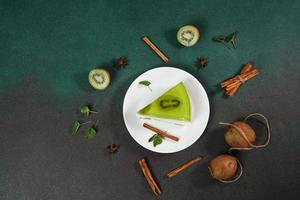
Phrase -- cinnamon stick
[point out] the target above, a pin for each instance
(246, 68)
(232, 91)
(160, 132)
(148, 179)
(233, 84)
(148, 175)
(246, 76)
(184, 166)
(155, 49)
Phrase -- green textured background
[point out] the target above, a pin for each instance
(48, 48)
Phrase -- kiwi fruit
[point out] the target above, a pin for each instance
(223, 167)
(99, 78)
(240, 135)
(188, 35)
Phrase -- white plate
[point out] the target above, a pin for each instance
(162, 79)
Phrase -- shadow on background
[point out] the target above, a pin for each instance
(201, 177)
(81, 80)
(171, 36)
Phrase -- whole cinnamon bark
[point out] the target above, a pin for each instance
(148, 175)
(184, 166)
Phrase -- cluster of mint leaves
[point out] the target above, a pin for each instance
(228, 41)
(156, 139)
(91, 131)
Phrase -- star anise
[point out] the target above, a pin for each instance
(112, 148)
(202, 62)
(121, 62)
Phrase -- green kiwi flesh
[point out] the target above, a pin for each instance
(99, 78)
(188, 35)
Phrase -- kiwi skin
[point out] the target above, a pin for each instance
(234, 138)
(223, 167)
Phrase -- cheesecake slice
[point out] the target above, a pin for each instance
(172, 106)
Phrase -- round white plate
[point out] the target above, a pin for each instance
(162, 79)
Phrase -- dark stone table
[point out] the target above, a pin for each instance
(47, 50)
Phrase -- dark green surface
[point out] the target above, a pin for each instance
(47, 50)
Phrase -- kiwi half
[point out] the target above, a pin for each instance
(99, 78)
(188, 35)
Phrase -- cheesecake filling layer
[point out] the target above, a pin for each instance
(173, 104)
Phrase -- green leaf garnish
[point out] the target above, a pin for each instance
(85, 110)
(156, 139)
(220, 38)
(152, 137)
(90, 133)
(226, 40)
(75, 127)
(145, 83)
(231, 39)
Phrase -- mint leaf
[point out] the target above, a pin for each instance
(75, 127)
(231, 38)
(145, 83)
(220, 38)
(152, 138)
(90, 133)
(227, 40)
(157, 140)
(85, 110)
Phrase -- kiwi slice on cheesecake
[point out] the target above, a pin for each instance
(188, 35)
(99, 78)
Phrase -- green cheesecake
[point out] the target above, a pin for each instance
(173, 105)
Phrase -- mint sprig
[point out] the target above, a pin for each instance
(85, 110)
(77, 125)
(227, 40)
(91, 131)
(156, 139)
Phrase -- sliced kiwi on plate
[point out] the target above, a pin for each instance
(188, 35)
(99, 78)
